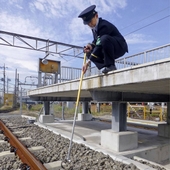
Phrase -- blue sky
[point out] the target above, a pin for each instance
(57, 20)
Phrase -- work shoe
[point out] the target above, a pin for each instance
(110, 68)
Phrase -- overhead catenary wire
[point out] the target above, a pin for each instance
(144, 18)
(148, 25)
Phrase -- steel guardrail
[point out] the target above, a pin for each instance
(162, 52)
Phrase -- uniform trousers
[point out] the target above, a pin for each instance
(108, 49)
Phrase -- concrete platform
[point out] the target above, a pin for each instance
(150, 145)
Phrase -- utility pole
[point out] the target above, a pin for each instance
(3, 67)
(21, 101)
(16, 88)
(7, 84)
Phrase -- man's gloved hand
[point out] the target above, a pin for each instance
(87, 49)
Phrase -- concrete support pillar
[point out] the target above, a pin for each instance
(117, 138)
(98, 107)
(164, 129)
(84, 116)
(85, 107)
(168, 113)
(46, 117)
(46, 108)
(63, 107)
(70, 105)
(119, 117)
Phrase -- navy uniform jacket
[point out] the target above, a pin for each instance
(117, 40)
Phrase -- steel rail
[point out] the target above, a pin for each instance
(23, 153)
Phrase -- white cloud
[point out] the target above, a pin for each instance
(64, 14)
(19, 58)
(25, 61)
(80, 33)
(15, 1)
(39, 6)
(106, 6)
(18, 6)
(63, 8)
(50, 8)
(139, 39)
(20, 25)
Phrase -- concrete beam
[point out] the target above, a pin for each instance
(48, 98)
(98, 95)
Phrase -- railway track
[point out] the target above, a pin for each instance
(47, 150)
(28, 159)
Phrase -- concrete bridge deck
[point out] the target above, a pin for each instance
(145, 82)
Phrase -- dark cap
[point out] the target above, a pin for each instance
(88, 14)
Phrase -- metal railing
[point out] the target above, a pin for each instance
(144, 57)
(70, 73)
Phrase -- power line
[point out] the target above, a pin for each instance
(148, 25)
(144, 18)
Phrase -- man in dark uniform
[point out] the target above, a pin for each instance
(108, 43)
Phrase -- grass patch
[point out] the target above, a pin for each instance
(105, 109)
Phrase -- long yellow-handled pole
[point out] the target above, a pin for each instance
(76, 108)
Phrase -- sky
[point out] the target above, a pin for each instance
(145, 24)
